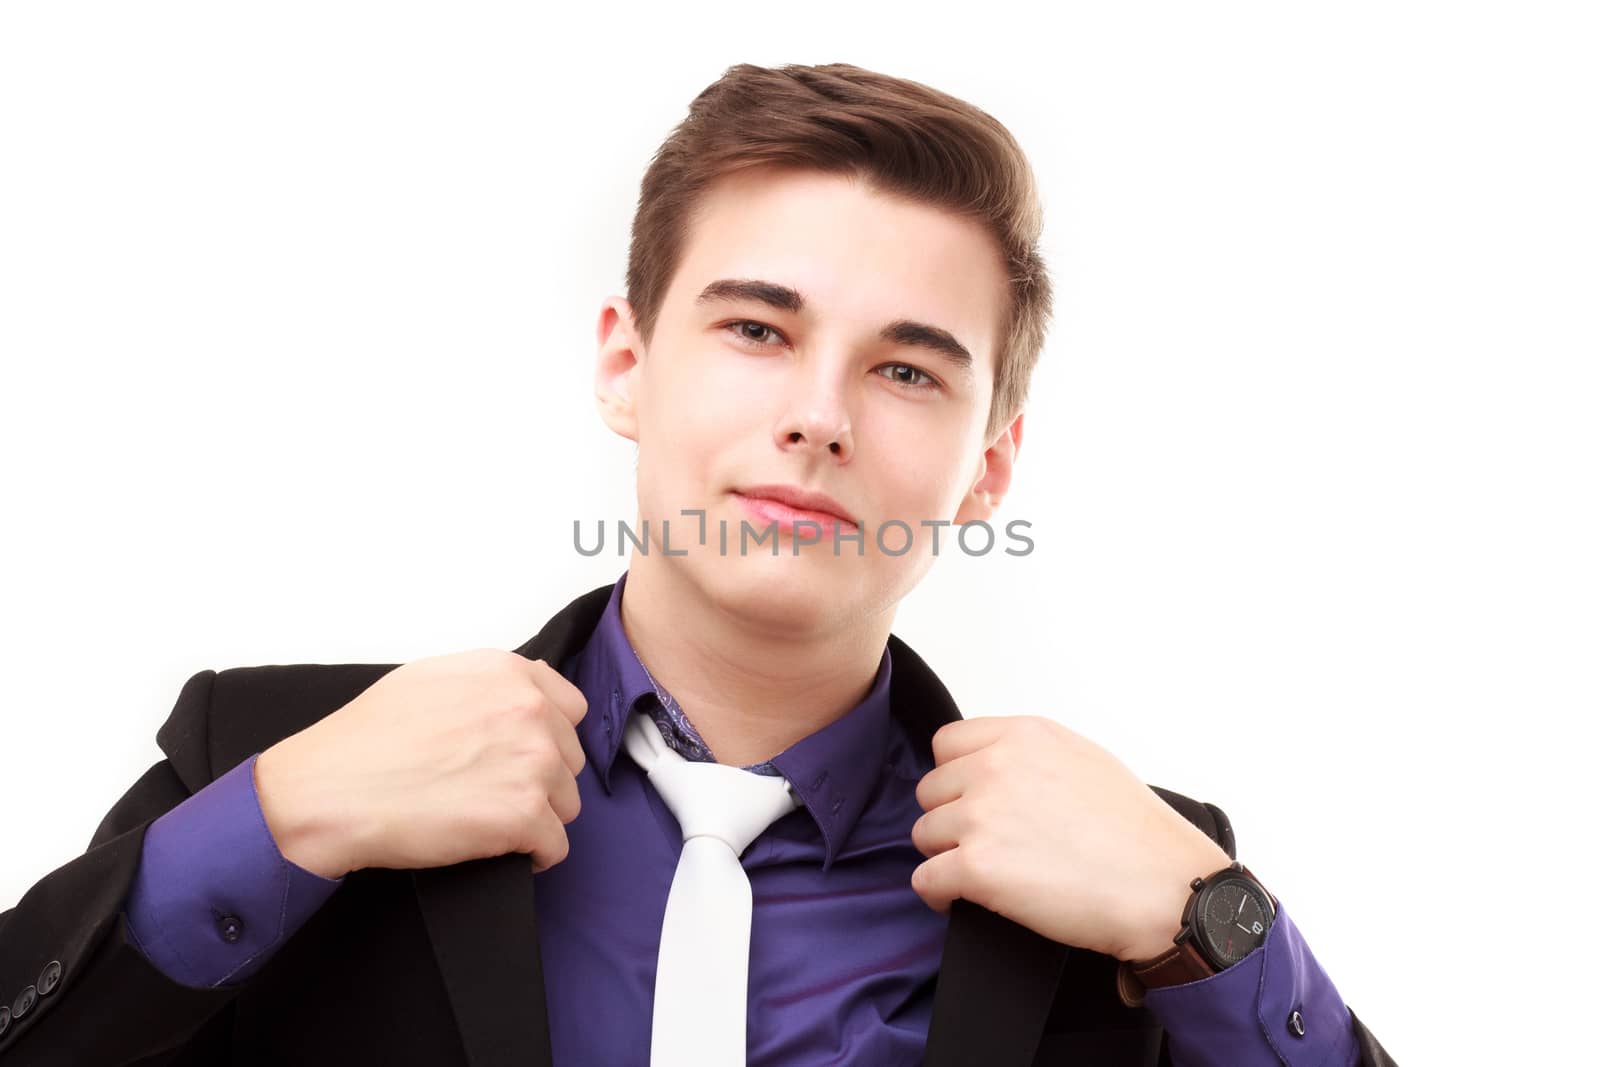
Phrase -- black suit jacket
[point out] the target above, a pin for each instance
(442, 966)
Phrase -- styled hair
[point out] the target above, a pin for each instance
(901, 136)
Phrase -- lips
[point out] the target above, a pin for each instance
(787, 504)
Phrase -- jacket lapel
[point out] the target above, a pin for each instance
(480, 915)
(996, 981)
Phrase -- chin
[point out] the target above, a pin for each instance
(797, 591)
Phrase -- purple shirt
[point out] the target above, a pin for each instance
(843, 952)
(213, 897)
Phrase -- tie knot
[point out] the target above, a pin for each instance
(730, 804)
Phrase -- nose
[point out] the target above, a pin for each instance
(816, 423)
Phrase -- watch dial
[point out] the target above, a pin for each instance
(1234, 921)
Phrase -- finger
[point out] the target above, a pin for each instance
(566, 696)
(956, 739)
(938, 831)
(937, 880)
(564, 799)
(944, 784)
(547, 839)
(566, 739)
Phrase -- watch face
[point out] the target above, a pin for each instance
(1234, 918)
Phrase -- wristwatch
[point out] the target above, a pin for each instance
(1227, 917)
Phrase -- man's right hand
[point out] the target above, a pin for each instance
(442, 760)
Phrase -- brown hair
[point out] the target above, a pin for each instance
(902, 136)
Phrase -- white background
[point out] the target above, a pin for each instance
(297, 312)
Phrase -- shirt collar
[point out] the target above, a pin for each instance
(834, 770)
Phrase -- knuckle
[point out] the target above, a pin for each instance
(971, 858)
(980, 810)
(483, 657)
(558, 849)
(531, 795)
(514, 713)
(989, 761)
(541, 751)
(529, 701)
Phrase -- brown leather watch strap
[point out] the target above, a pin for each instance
(1179, 964)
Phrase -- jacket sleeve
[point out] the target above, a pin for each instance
(74, 986)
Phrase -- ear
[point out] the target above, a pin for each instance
(616, 369)
(993, 476)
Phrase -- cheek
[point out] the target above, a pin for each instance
(947, 482)
(686, 423)
(705, 385)
(923, 483)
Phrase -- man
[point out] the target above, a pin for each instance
(834, 305)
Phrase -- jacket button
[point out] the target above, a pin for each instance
(50, 977)
(1297, 1025)
(5, 1018)
(24, 1001)
(231, 927)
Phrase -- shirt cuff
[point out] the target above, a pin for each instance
(1275, 1006)
(213, 897)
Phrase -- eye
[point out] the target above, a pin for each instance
(739, 327)
(929, 381)
(742, 329)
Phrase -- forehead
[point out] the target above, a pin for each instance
(860, 257)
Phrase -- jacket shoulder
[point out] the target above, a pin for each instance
(1207, 816)
(221, 718)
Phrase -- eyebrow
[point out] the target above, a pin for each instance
(901, 331)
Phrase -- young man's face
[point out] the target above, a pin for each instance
(736, 392)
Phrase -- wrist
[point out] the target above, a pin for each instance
(1208, 940)
(1163, 914)
(1155, 934)
(304, 834)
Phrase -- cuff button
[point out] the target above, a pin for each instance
(50, 977)
(5, 1018)
(1297, 1025)
(24, 1001)
(231, 927)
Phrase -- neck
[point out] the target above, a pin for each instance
(752, 680)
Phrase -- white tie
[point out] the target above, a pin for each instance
(703, 967)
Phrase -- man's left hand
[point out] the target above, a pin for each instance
(1043, 826)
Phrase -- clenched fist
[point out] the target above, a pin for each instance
(442, 760)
